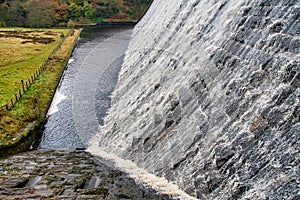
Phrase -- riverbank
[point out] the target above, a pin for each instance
(22, 123)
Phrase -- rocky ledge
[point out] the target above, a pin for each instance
(66, 175)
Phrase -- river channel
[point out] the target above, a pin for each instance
(83, 95)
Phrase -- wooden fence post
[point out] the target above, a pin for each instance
(23, 86)
(38, 71)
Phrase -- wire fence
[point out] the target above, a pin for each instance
(26, 83)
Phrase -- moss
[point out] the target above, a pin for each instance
(124, 192)
(114, 174)
(96, 191)
(22, 142)
(79, 184)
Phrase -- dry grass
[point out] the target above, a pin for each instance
(34, 103)
(22, 52)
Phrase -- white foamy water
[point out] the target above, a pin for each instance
(70, 60)
(58, 97)
(141, 176)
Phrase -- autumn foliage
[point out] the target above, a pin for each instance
(49, 13)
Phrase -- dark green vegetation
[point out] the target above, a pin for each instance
(54, 13)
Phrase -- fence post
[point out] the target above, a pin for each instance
(23, 86)
(6, 106)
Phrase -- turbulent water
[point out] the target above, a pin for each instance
(208, 97)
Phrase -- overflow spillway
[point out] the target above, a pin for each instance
(208, 97)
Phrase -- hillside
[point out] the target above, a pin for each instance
(54, 13)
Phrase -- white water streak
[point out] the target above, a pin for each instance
(58, 97)
(70, 60)
(143, 177)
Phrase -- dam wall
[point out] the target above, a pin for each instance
(208, 97)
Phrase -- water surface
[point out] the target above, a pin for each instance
(83, 95)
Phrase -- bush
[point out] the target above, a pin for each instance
(70, 24)
(129, 12)
(2, 24)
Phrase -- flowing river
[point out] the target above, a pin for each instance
(83, 95)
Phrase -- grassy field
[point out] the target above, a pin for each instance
(34, 103)
(22, 51)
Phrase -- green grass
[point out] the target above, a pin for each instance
(21, 56)
(34, 103)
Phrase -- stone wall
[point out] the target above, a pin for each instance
(67, 175)
(208, 97)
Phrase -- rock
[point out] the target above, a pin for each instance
(15, 182)
(66, 175)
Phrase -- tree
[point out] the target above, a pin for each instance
(87, 11)
(46, 13)
(57, 10)
(74, 11)
(78, 2)
(13, 14)
(39, 14)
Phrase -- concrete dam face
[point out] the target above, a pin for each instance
(208, 97)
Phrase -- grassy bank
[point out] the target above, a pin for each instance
(30, 111)
(22, 52)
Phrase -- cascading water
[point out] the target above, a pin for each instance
(83, 97)
(208, 97)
